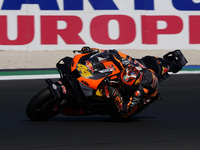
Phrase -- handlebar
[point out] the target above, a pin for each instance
(77, 51)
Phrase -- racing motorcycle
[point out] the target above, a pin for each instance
(72, 94)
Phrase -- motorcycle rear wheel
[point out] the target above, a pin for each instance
(41, 106)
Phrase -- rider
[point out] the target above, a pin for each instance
(141, 84)
(133, 89)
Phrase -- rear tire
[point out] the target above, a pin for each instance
(41, 106)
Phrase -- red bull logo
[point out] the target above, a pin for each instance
(89, 66)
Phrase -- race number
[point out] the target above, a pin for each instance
(83, 70)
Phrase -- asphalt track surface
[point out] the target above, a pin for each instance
(170, 124)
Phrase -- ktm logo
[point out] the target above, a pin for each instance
(84, 82)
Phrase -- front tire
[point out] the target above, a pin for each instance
(41, 106)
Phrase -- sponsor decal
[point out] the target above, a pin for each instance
(60, 82)
(109, 68)
(89, 66)
(126, 78)
(64, 89)
(84, 82)
(139, 64)
(54, 86)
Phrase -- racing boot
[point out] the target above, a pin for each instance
(132, 107)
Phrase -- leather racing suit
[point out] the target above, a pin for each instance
(129, 100)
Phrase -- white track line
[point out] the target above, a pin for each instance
(22, 77)
(185, 72)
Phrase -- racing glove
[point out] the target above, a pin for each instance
(113, 94)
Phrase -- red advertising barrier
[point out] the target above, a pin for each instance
(40, 27)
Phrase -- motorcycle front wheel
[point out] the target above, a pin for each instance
(41, 106)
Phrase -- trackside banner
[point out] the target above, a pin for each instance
(120, 24)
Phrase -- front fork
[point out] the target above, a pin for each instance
(58, 89)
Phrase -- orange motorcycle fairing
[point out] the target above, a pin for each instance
(76, 60)
(94, 80)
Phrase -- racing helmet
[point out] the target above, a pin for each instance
(85, 49)
(130, 78)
